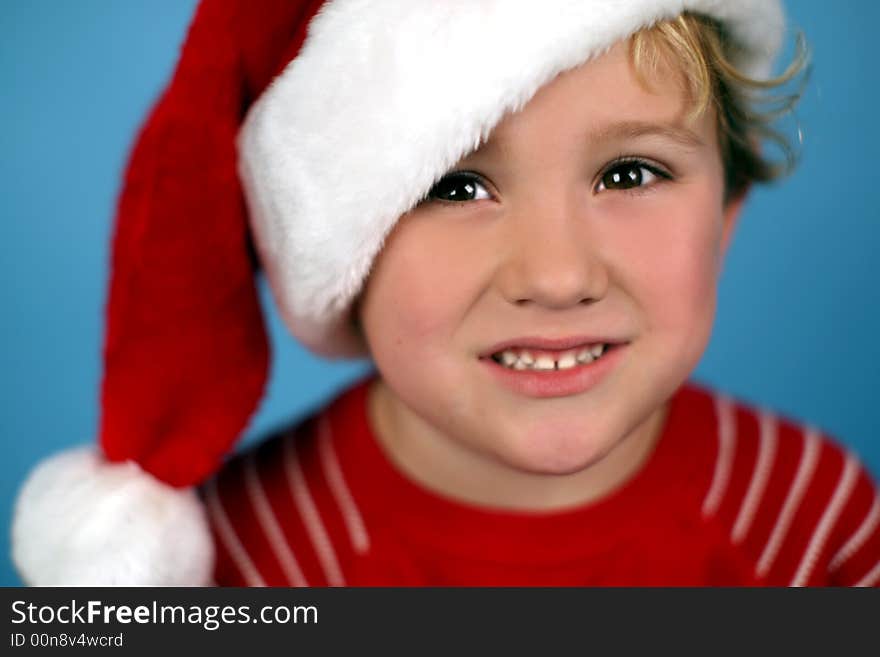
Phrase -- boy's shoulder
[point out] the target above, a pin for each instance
(754, 442)
(289, 489)
(797, 503)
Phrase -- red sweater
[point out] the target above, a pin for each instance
(731, 496)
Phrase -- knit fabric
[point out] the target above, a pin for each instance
(732, 495)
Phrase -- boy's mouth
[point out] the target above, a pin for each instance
(527, 358)
(540, 354)
(540, 367)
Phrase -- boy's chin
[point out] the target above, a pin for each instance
(548, 453)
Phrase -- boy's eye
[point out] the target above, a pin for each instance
(629, 175)
(459, 186)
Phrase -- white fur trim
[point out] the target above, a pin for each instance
(384, 97)
(82, 521)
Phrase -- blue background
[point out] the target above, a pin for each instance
(797, 327)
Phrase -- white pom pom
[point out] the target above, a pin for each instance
(83, 521)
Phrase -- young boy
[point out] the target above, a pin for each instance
(525, 235)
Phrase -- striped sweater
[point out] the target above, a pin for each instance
(732, 495)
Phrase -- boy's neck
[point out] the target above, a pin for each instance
(446, 466)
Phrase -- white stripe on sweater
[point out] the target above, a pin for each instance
(351, 515)
(760, 476)
(299, 490)
(724, 459)
(871, 578)
(820, 536)
(230, 540)
(806, 467)
(269, 524)
(857, 540)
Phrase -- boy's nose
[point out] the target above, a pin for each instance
(552, 260)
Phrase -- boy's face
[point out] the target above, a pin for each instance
(598, 216)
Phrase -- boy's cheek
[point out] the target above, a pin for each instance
(421, 289)
(683, 320)
(674, 278)
(405, 319)
(682, 295)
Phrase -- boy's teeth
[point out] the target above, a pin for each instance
(508, 358)
(524, 360)
(544, 363)
(585, 356)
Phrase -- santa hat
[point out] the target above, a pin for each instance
(310, 127)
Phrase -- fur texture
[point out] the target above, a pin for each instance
(82, 521)
(384, 98)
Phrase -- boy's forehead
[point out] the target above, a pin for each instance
(603, 102)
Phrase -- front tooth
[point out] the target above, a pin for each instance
(519, 365)
(508, 358)
(597, 350)
(527, 358)
(544, 363)
(585, 356)
(567, 361)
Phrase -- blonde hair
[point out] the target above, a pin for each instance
(704, 52)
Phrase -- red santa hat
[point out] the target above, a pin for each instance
(292, 136)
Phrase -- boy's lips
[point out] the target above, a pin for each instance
(556, 382)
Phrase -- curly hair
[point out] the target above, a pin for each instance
(746, 108)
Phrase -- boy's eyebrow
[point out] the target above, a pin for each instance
(633, 129)
(625, 130)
